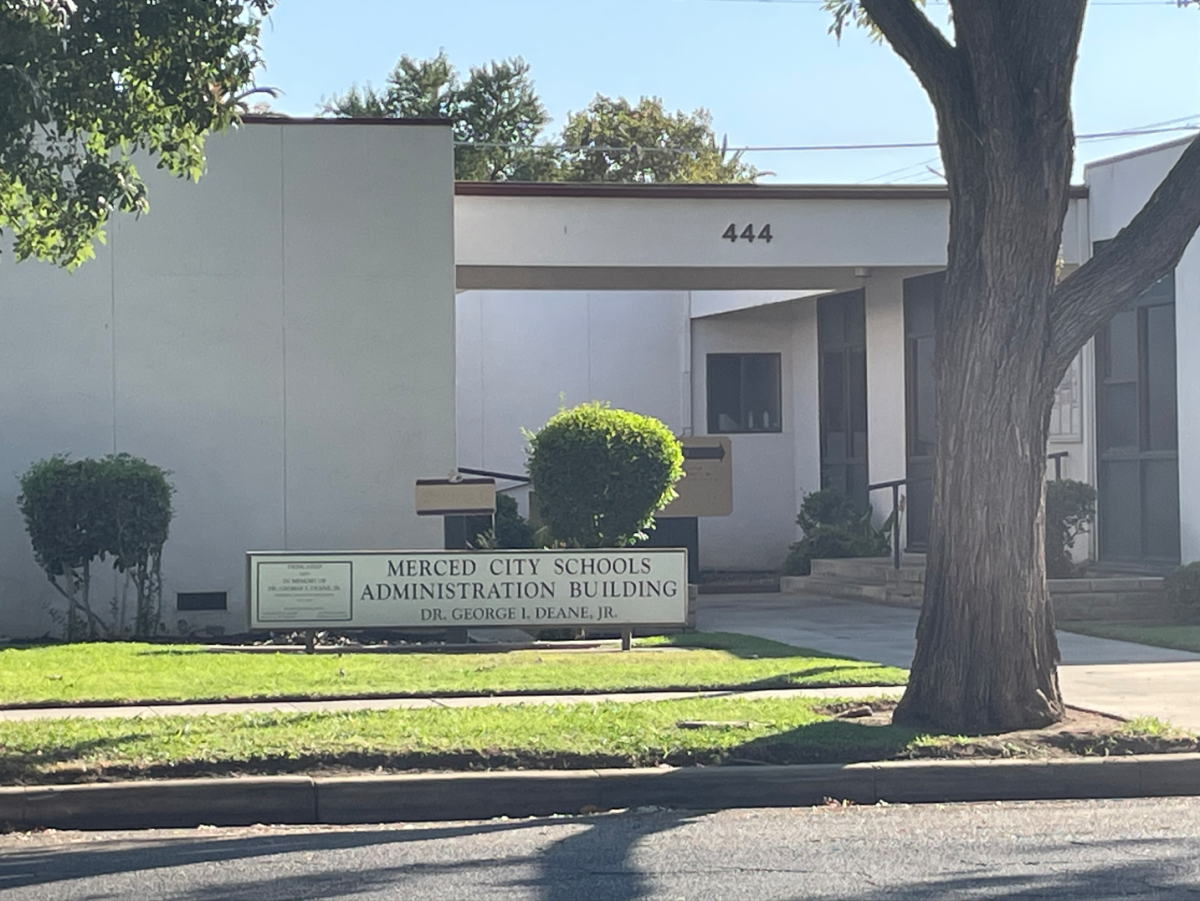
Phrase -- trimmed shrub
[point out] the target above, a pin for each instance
(834, 526)
(601, 474)
(81, 510)
(1182, 589)
(1070, 511)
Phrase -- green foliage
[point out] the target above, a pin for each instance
(498, 118)
(497, 104)
(834, 527)
(511, 530)
(601, 474)
(1182, 589)
(660, 146)
(85, 84)
(1070, 509)
(77, 511)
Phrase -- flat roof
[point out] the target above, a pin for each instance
(337, 120)
(709, 191)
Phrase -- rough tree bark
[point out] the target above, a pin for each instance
(986, 650)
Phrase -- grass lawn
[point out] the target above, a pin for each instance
(1182, 638)
(708, 731)
(117, 672)
(575, 735)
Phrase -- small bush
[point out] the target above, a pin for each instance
(1182, 590)
(834, 527)
(511, 529)
(77, 511)
(1070, 510)
(601, 474)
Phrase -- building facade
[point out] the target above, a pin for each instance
(326, 318)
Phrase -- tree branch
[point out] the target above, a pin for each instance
(932, 58)
(1143, 252)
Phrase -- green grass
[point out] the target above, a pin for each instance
(117, 672)
(576, 735)
(1181, 638)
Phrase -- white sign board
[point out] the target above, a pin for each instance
(411, 589)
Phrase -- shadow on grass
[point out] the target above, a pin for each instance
(30, 768)
(745, 646)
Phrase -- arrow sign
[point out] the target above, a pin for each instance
(704, 453)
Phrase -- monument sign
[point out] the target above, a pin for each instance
(413, 589)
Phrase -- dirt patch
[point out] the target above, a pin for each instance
(1080, 733)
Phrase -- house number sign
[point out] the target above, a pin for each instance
(748, 233)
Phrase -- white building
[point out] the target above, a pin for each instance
(282, 337)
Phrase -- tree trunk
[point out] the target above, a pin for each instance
(986, 648)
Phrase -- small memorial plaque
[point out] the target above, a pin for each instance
(310, 591)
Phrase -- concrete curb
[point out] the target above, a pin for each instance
(186, 803)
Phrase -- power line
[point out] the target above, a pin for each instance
(805, 148)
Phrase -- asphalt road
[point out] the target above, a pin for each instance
(1146, 848)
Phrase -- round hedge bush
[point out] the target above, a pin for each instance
(601, 474)
(1182, 589)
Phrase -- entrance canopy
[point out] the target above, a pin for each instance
(557, 236)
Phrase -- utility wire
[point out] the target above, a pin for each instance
(800, 148)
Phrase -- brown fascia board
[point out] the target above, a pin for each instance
(710, 192)
(336, 120)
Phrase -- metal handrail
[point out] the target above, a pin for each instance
(507, 476)
(895, 484)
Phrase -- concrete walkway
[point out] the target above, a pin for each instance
(1099, 674)
(136, 711)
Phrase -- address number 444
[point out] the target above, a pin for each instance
(747, 234)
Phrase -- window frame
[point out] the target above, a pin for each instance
(711, 420)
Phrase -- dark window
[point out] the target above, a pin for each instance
(842, 346)
(921, 298)
(201, 600)
(744, 393)
(1137, 431)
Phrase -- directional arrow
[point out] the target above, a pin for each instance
(704, 453)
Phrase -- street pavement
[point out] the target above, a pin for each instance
(1097, 850)
(1098, 674)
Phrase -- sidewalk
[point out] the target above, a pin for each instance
(134, 711)
(1098, 674)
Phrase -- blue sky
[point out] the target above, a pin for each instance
(768, 71)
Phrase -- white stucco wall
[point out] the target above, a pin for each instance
(279, 336)
(1118, 189)
(770, 469)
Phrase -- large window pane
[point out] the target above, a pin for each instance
(833, 405)
(856, 370)
(921, 396)
(724, 393)
(1120, 358)
(760, 391)
(1160, 509)
(1120, 416)
(1120, 527)
(1161, 431)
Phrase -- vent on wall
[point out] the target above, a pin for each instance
(202, 600)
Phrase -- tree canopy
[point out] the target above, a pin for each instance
(499, 122)
(85, 84)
